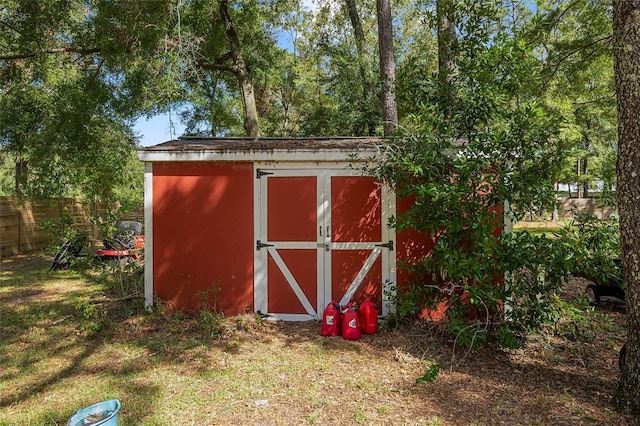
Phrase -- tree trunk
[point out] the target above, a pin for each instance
(387, 67)
(243, 74)
(367, 85)
(447, 56)
(356, 24)
(626, 49)
(578, 168)
(21, 176)
(585, 182)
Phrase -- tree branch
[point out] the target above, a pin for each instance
(558, 63)
(595, 101)
(49, 52)
(205, 65)
(218, 64)
(10, 27)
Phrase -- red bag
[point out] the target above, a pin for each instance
(350, 324)
(331, 320)
(368, 315)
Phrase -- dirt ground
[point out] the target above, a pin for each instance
(565, 376)
(551, 380)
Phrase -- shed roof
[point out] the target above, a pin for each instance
(261, 149)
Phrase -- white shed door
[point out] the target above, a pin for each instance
(321, 235)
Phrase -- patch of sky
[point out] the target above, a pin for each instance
(158, 129)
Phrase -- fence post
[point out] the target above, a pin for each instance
(19, 232)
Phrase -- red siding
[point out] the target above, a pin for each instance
(203, 234)
(356, 213)
(413, 245)
(292, 209)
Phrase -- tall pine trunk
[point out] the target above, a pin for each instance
(447, 54)
(447, 39)
(243, 74)
(626, 35)
(363, 69)
(387, 67)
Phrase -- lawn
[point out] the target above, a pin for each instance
(70, 339)
(544, 227)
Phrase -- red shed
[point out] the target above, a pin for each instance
(276, 226)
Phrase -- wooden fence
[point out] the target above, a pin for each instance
(567, 207)
(21, 221)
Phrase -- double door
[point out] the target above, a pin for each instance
(321, 235)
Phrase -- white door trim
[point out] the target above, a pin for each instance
(323, 173)
(261, 258)
(148, 236)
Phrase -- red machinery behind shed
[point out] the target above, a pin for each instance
(276, 226)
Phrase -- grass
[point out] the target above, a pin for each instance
(67, 341)
(61, 352)
(545, 227)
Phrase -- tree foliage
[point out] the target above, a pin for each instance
(478, 142)
(61, 109)
(75, 75)
(574, 39)
(103, 63)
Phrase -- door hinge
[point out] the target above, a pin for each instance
(260, 244)
(388, 245)
(260, 173)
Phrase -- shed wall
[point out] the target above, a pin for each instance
(203, 228)
(203, 234)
